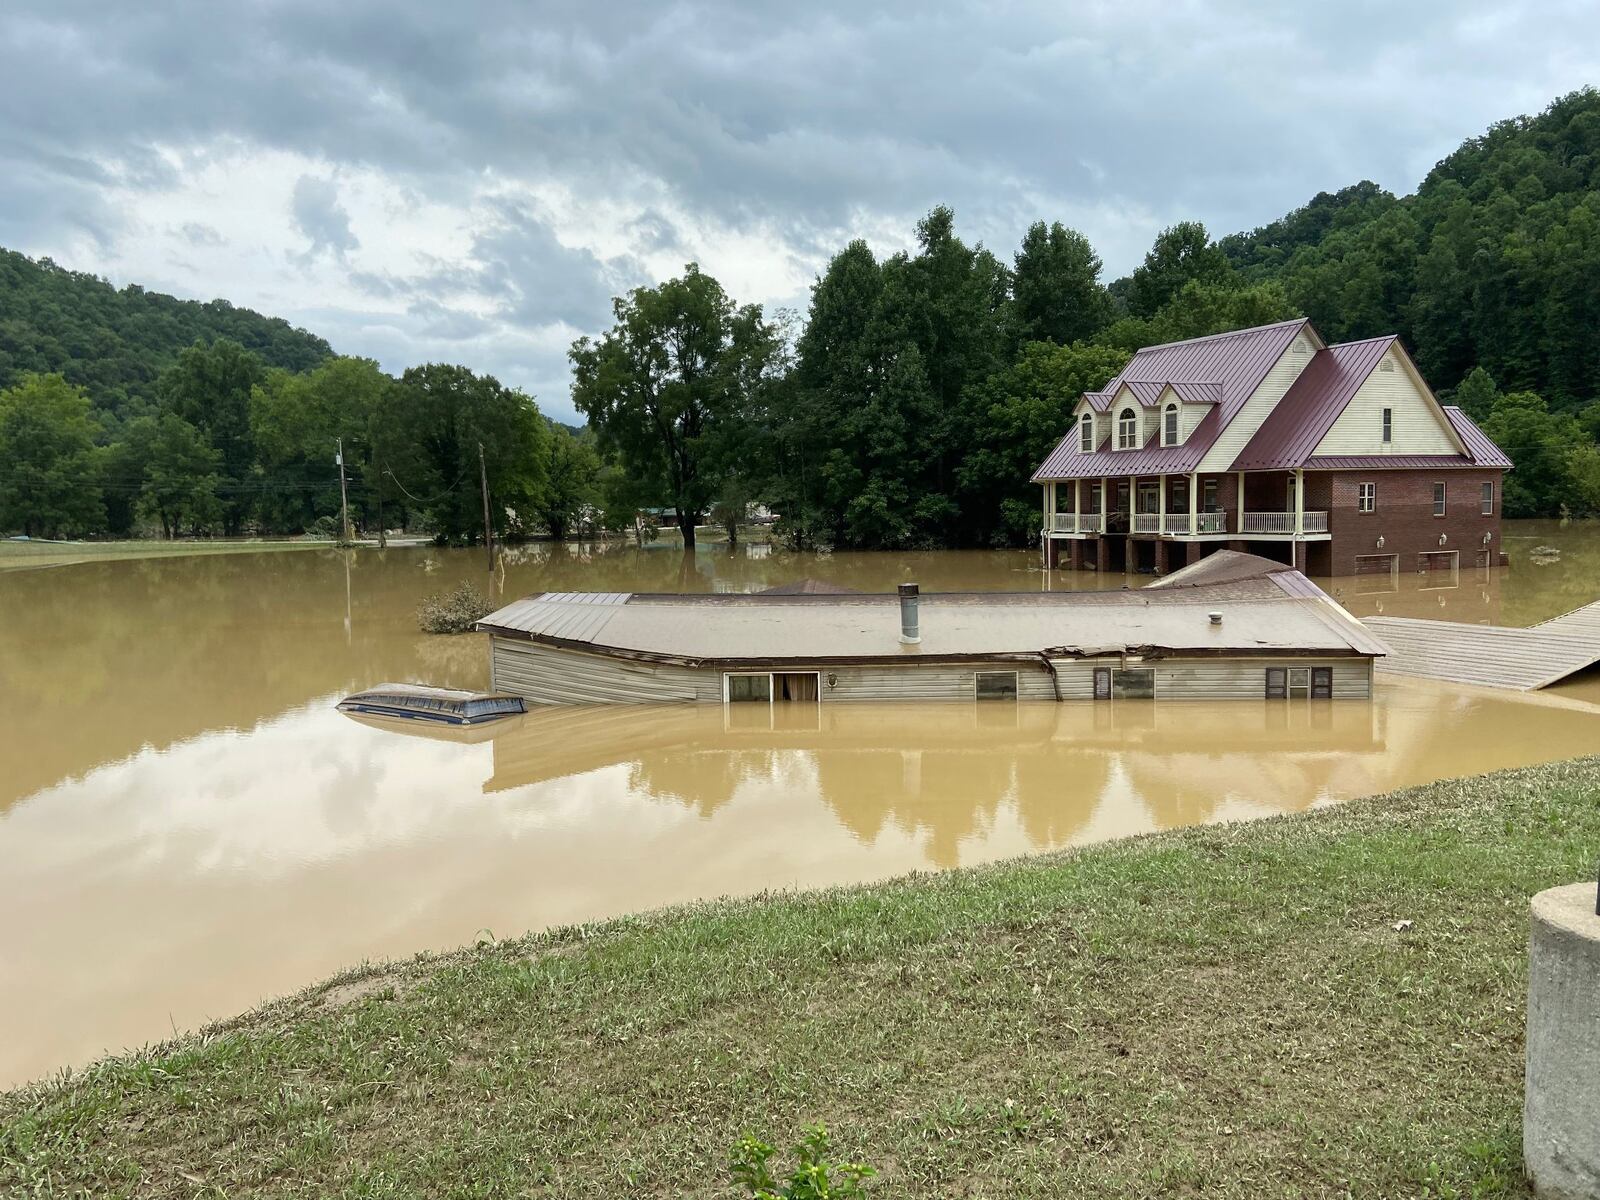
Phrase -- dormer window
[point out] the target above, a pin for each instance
(1086, 433)
(1169, 425)
(1127, 430)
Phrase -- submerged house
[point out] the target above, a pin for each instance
(1233, 627)
(1337, 459)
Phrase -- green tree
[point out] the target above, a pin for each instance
(209, 387)
(1540, 443)
(296, 423)
(572, 482)
(49, 485)
(178, 473)
(1056, 286)
(1181, 254)
(1476, 395)
(440, 416)
(668, 389)
(1029, 406)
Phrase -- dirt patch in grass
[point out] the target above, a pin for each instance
(1224, 1011)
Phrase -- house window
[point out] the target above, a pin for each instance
(1366, 496)
(1487, 500)
(749, 689)
(1209, 496)
(1133, 684)
(1388, 426)
(1180, 495)
(1127, 430)
(1169, 432)
(1438, 499)
(1086, 433)
(996, 685)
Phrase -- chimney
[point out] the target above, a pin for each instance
(910, 632)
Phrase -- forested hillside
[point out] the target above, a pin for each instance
(1494, 262)
(115, 343)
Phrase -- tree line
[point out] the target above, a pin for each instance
(907, 409)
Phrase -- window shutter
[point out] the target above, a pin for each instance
(1322, 683)
(1277, 683)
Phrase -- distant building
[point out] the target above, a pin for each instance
(1337, 459)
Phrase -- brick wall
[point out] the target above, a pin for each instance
(1403, 517)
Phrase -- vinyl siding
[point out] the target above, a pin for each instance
(1420, 427)
(1255, 410)
(552, 675)
(1219, 678)
(1190, 415)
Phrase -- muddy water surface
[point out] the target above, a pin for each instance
(187, 827)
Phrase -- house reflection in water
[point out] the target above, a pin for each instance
(948, 774)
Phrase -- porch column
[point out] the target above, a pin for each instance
(1105, 507)
(1049, 504)
(1077, 505)
(1299, 503)
(1194, 501)
(1161, 505)
(1241, 503)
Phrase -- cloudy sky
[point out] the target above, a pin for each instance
(472, 181)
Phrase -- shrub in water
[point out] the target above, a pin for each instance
(455, 611)
(813, 1179)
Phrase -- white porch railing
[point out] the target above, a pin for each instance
(1076, 522)
(1216, 522)
(1175, 523)
(1147, 522)
(1283, 522)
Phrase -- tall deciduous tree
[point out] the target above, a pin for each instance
(1056, 286)
(48, 482)
(209, 387)
(572, 482)
(669, 387)
(1182, 253)
(442, 415)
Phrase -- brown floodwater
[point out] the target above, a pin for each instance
(187, 827)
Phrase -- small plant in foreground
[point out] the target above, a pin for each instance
(814, 1178)
(455, 611)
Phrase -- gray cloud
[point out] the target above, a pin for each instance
(321, 218)
(794, 125)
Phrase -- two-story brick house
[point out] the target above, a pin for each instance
(1338, 459)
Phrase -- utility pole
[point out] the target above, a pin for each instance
(344, 496)
(488, 533)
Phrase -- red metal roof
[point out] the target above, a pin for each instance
(1484, 452)
(1294, 429)
(1235, 362)
(1207, 391)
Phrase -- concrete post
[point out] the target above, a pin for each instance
(1561, 1108)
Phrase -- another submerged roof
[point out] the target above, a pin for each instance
(1263, 612)
(809, 587)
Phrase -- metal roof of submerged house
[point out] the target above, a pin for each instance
(1265, 610)
(1286, 439)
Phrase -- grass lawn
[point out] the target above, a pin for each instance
(1227, 1011)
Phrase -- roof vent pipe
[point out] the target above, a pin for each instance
(910, 632)
(1216, 618)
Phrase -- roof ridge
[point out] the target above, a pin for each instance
(1382, 337)
(1224, 334)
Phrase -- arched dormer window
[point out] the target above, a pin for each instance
(1127, 430)
(1169, 425)
(1086, 433)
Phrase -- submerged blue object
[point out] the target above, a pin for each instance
(440, 706)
